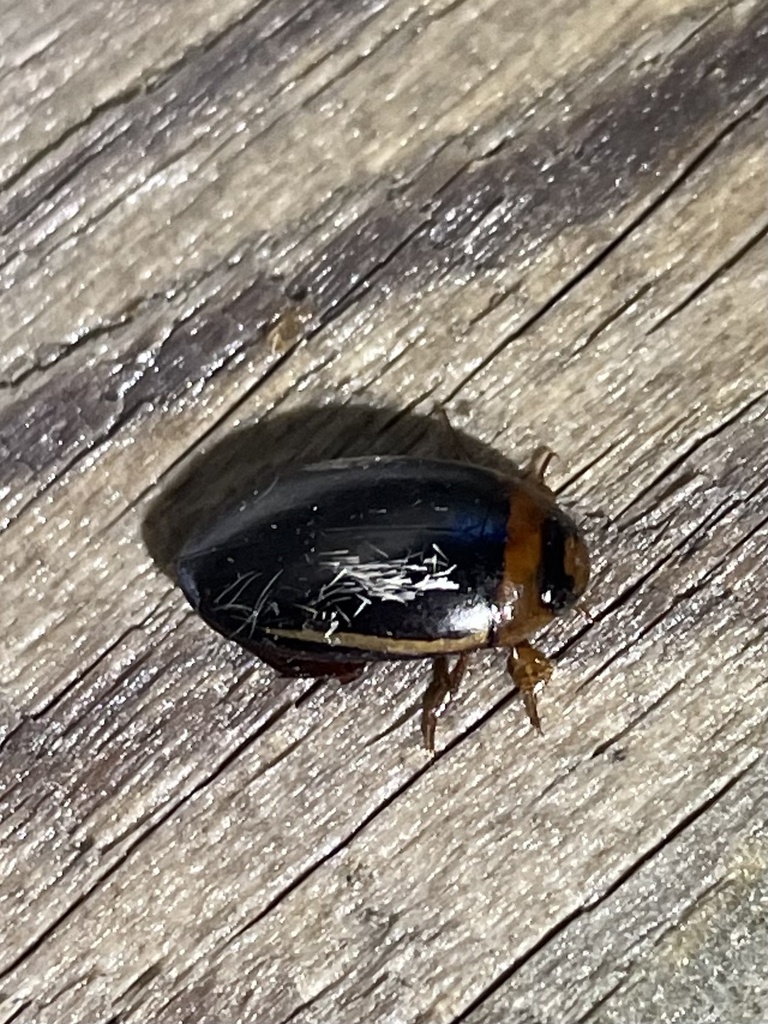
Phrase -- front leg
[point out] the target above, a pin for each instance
(528, 668)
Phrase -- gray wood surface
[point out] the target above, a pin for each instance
(240, 235)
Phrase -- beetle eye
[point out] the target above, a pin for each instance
(557, 600)
(561, 551)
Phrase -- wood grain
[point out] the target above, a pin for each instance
(234, 237)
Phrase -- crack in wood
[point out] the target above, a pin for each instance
(160, 820)
(592, 265)
(685, 456)
(61, 695)
(626, 973)
(728, 264)
(677, 830)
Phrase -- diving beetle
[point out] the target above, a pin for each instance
(341, 563)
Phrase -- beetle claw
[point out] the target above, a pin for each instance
(530, 704)
(428, 726)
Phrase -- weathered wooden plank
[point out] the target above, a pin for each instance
(119, 392)
(63, 66)
(184, 841)
(569, 806)
(681, 934)
(587, 170)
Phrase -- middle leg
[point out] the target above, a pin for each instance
(444, 685)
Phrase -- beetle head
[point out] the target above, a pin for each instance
(564, 565)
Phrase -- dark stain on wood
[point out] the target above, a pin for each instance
(155, 118)
(629, 141)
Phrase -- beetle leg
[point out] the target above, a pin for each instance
(434, 700)
(295, 666)
(528, 668)
(444, 685)
(539, 461)
(460, 451)
(347, 673)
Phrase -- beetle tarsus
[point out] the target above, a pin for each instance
(442, 688)
(529, 669)
(531, 709)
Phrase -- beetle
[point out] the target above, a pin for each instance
(341, 563)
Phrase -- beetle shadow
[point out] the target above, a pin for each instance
(230, 471)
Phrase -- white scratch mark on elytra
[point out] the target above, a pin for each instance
(250, 612)
(390, 579)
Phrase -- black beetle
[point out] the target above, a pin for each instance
(345, 562)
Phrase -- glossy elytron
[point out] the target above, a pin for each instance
(341, 563)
